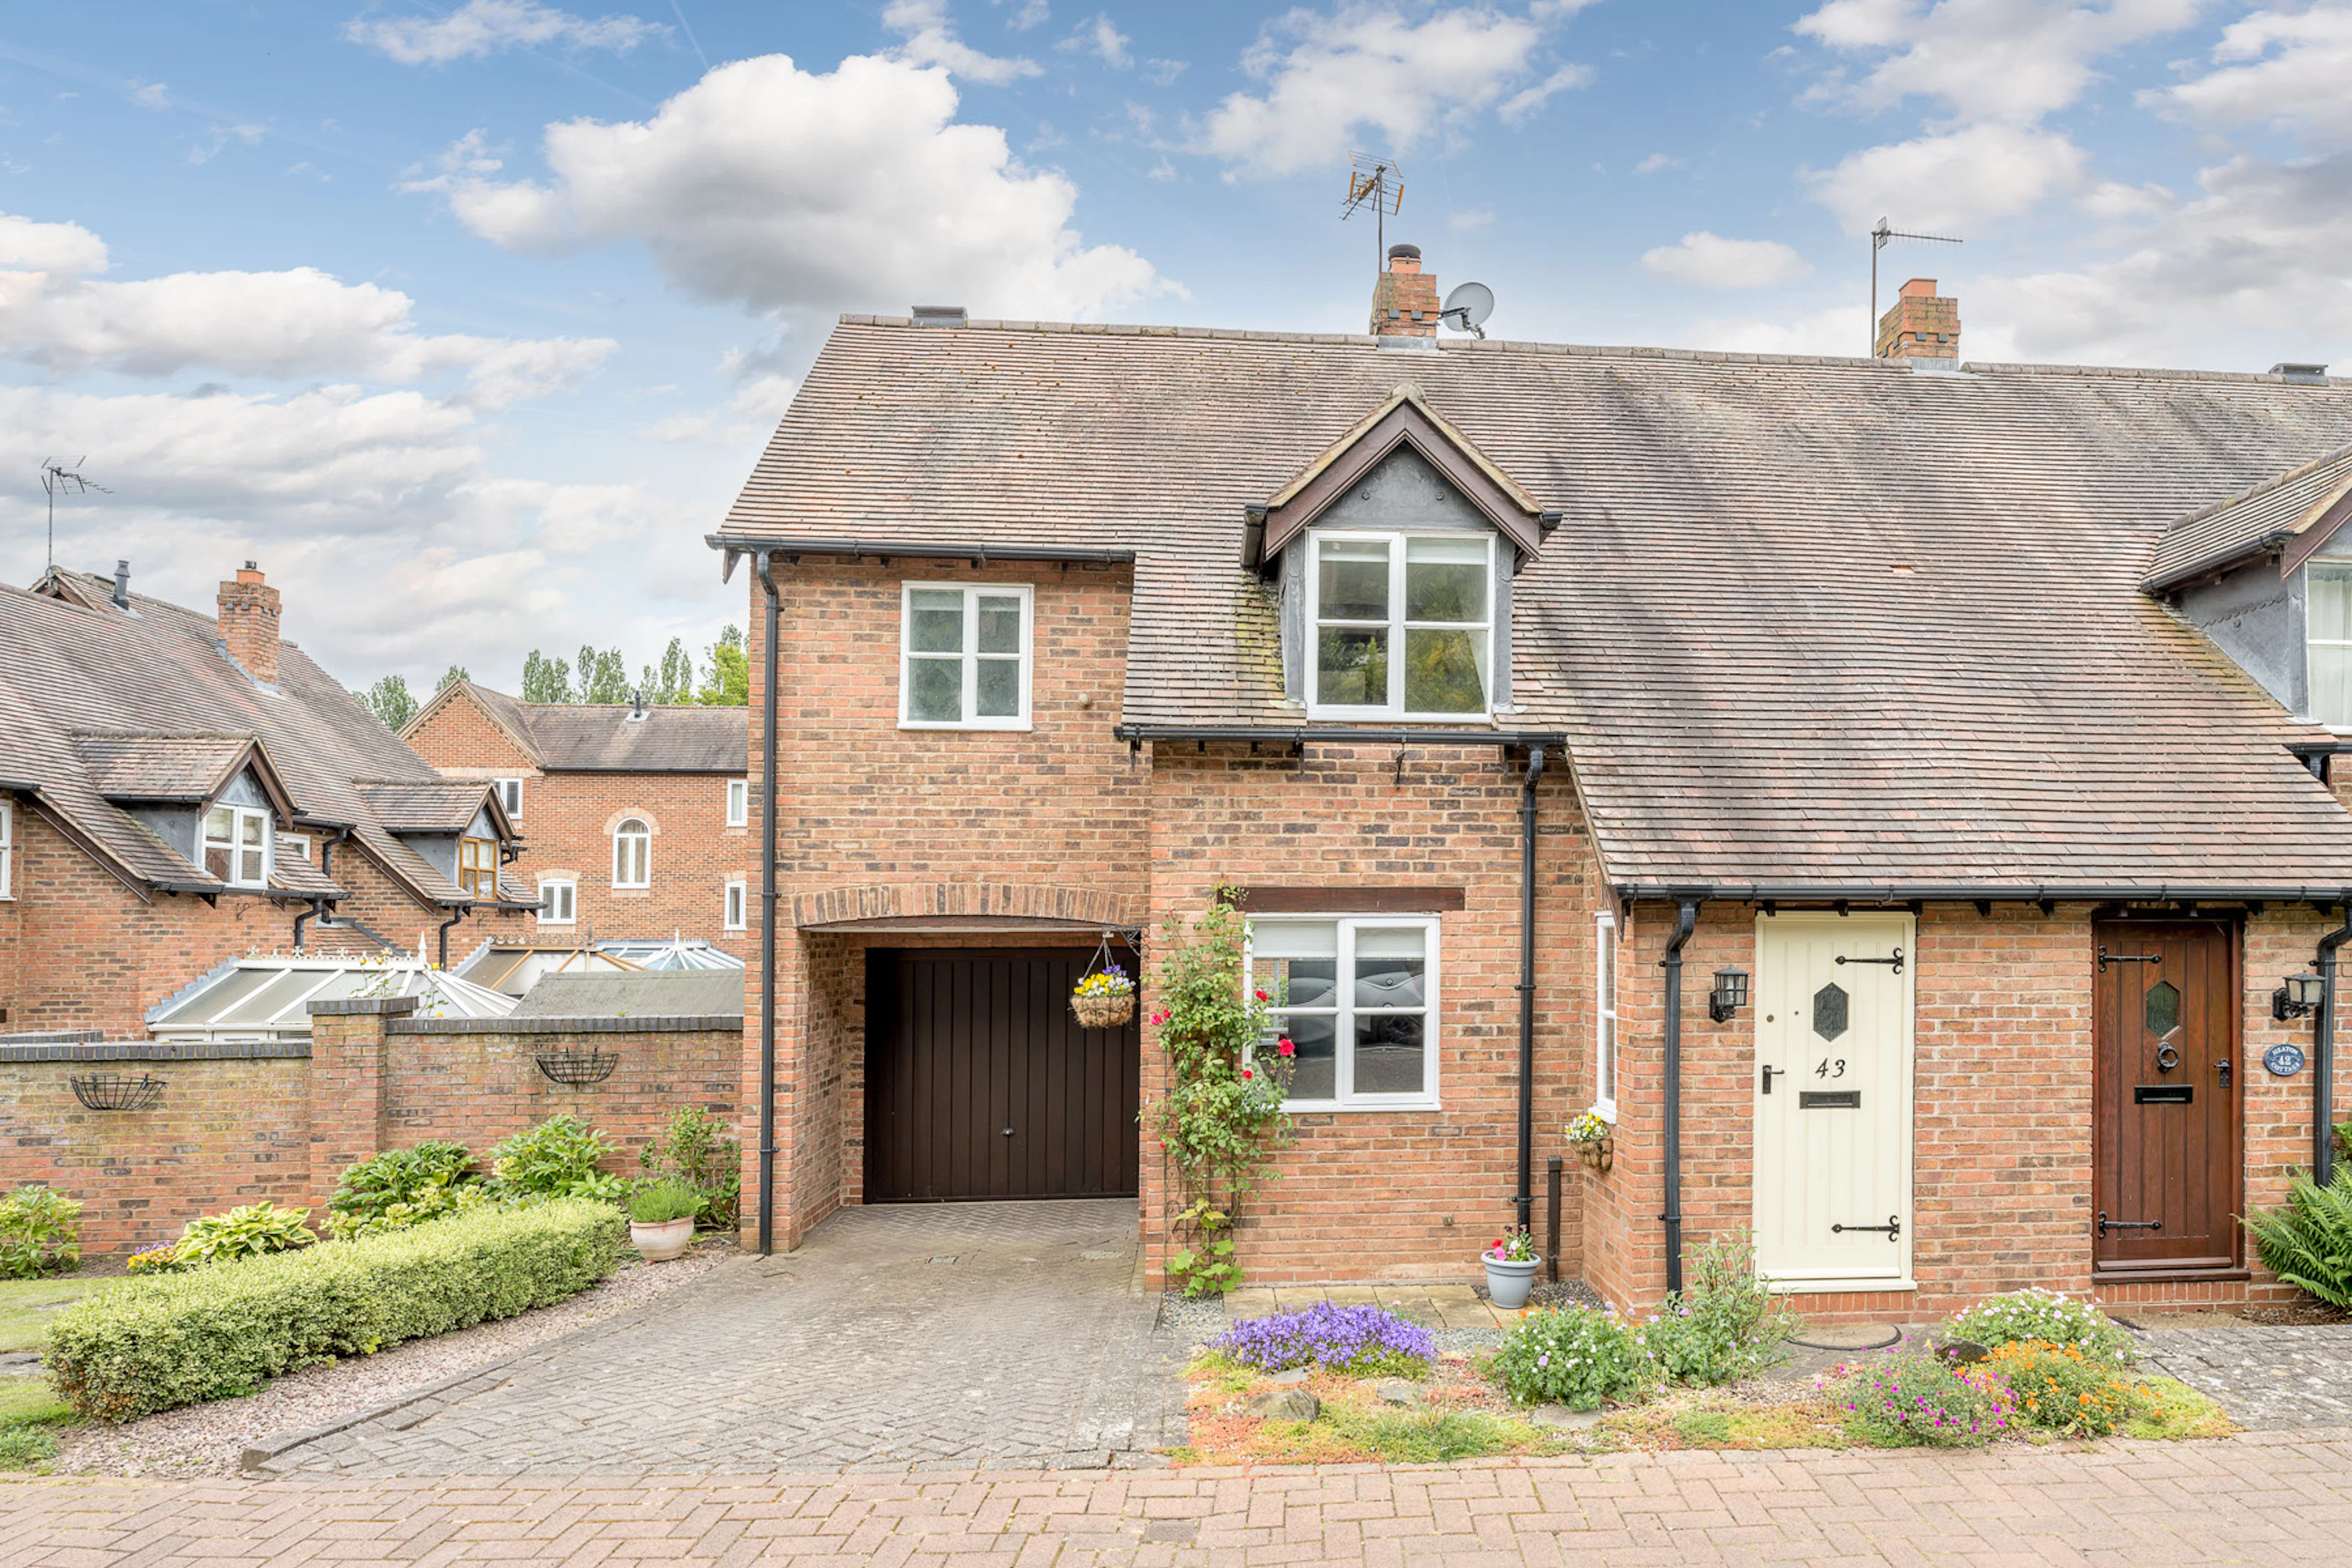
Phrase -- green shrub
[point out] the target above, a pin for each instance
(40, 1233)
(1914, 1399)
(2051, 1317)
(253, 1230)
(662, 1200)
(2063, 1389)
(2308, 1243)
(696, 1151)
(1578, 1357)
(180, 1338)
(1728, 1324)
(401, 1187)
(556, 1159)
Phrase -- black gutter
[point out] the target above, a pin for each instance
(758, 544)
(1686, 922)
(1435, 735)
(2002, 892)
(2323, 1057)
(766, 569)
(1527, 1197)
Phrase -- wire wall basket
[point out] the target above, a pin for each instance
(116, 1092)
(577, 1069)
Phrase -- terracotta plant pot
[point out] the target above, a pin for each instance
(1597, 1156)
(660, 1242)
(1508, 1283)
(1103, 1012)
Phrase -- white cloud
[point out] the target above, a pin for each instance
(1099, 37)
(1711, 261)
(1163, 73)
(1521, 104)
(1033, 14)
(782, 189)
(481, 28)
(1657, 163)
(2014, 60)
(1471, 219)
(1837, 331)
(931, 40)
(280, 326)
(152, 95)
(1948, 180)
(750, 416)
(1163, 172)
(2287, 68)
(1369, 70)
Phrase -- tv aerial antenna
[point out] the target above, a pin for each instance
(1467, 308)
(1376, 185)
(56, 476)
(1878, 239)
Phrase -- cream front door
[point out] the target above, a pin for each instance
(1832, 1097)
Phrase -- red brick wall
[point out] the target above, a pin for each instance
(567, 822)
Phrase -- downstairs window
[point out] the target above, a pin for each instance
(1357, 996)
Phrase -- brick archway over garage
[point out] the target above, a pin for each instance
(1009, 901)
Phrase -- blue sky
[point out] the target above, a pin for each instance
(467, 320)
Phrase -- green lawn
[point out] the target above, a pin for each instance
(28, 1306)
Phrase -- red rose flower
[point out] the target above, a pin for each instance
(1246, 1073)
(1282, 1047)
(1259, 994)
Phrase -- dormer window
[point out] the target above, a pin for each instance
(236, 843)
(477, 867)
(2328, 641)
(1404, 625)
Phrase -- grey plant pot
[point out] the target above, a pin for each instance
(660, 1242)
(1508, 1283)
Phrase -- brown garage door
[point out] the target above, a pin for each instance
(980, 1084)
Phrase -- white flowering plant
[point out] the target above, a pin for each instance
(2051, 1317)
(1589, 1127)
(1726, 1326)
(1576, 1356)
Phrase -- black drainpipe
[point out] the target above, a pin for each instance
(1527, 1197)
(2323, 1057)
(765, 564)
(1686, 922)
(327, 870)
(318, 907)
(463, 911)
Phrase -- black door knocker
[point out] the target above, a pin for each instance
(2166, 1058)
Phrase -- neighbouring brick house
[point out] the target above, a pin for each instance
(177, 790)
(634, 816)
(1799, 760)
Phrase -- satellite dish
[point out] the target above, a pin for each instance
(1467, 308)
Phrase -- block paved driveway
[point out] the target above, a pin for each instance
(957, 1334)
(2266, 1497)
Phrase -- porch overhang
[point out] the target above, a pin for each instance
(964, 925)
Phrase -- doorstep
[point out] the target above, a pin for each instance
(1432, 1306)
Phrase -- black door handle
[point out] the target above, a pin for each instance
(2223, 1067)
(1768, 1078)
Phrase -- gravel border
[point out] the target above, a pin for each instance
(212, 1439)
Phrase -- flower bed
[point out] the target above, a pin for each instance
(1363, 1341)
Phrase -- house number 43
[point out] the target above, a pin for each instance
(1831, 1068)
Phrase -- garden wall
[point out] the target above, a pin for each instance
(245, 1121)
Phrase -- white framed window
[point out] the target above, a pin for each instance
(738, 801)
(559, 900)
(236, 845)
(1402, 624)
(2328, 619)
(1604, 1016)
(964, 656)
(297, 845)
(510, 797)
(632, 854)
(737, 904)
(7, 848)
(1357, 997)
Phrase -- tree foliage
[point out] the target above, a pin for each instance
(674, 681)
(727, 677)
(545, 680)
(456, 672)
(604, 676)
(389, 701)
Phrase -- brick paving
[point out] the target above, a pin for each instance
(959, 1335)
(2260, 1499)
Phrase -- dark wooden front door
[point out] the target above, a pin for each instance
(2166, 1123)
(980, 1084)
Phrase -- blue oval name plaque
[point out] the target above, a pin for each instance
(2285, 1061)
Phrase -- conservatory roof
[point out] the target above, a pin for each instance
(269, 998)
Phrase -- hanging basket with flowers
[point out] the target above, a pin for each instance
(1594, 1140)
(1103, 997)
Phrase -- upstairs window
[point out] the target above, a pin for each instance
(1404, 625)
(510, 797)
(738, 801)
(632, 854)
(7, 848)
(236, 843)
(477, 867)
(737, 901)
(559, 898)
(2329, 619)
(963, 659)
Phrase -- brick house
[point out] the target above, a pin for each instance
(177, 790)
(633, 817)
(1821, 767)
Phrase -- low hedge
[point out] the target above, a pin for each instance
(161, 1342)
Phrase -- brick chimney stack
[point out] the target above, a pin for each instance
(248, 623)
(1404, 297)
(1922, 325)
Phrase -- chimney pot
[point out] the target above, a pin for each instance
(248, 623)
(1923, 325)
(1404, 297)
(123, 584)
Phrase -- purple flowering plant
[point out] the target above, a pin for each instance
(1363, 1341)
(1903, 1401)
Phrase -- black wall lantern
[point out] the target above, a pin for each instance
(2297, 998)
(1729, 996)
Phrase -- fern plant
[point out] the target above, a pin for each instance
(2308, 1243)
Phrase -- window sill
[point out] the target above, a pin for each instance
(1842, 1287)
(1606, 1110)
(1390, 717)
(566, 924)
(1355, 1107)
(1003, 724)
